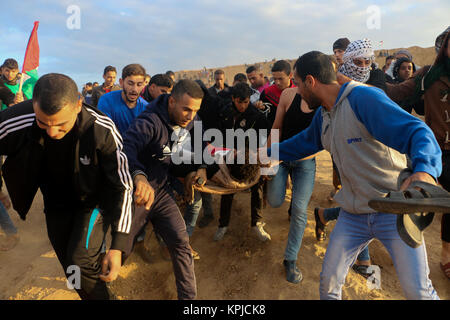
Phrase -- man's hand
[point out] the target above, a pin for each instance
(18, 98)
(4, 199)
(417, 176)
(144, 194)
(111, 265)
(259, 104)
(201, 173)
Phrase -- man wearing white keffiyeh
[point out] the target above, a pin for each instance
(358, 58)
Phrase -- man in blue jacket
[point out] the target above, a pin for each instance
(368, 136)
(149, 143)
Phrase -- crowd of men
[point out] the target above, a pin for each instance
(105, 159)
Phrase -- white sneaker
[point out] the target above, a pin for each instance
(259, 231)
(220, 233)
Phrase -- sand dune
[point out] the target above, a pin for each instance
(421, 57)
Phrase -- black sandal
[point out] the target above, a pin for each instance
(320, 235)
(415, 209)
(362, 270)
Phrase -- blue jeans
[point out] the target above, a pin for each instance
(302, 174)
(192, 210)
(333, 214)
(5, 221)
(352, 233)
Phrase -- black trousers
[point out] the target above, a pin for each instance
(256, 203)
(77, 238)
(444, 180)
(169, 224)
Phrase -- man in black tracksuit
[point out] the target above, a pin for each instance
(149, 144)
(241, 114)
(73, 153)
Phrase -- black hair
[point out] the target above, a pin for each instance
(282, 66)
(241, 91)
(219, 71)
(398, 64)
(316, 64)
(10, 64)
(189, 87)
(108, 69)
(161, 80)
(133, 70)
(170, 73)
(341, 43)
(240, 77)
(202, 85)
(389, 58)
(89, 84)
(251, 69)
(54, 91)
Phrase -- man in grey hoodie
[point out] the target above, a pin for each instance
(368, 136)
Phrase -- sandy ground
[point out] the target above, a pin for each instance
(238, 267)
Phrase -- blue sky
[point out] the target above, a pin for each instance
(184, 35)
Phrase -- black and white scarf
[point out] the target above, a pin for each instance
(357, 49)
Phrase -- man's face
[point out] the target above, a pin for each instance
(220, 81)
(256, 79)
(183, 110)
(388, 63)
(88, 88)
(59, 124)
(406, 70)
(362, 62)
(132, 87)
(110, 78)
(305, 91)
(146, 81)
(9, 74)
(155, 90)
(338, 53)
(281, 80)
(241, 104)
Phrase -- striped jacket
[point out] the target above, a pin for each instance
(100, 172)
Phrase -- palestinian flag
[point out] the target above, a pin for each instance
(29, 68)
(31, 62)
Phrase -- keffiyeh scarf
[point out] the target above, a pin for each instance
(357, 49)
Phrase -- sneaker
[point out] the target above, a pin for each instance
(143, 251)
(205, 220)
(10, 242)
(220, 233)
(293, 274)
(259, 231)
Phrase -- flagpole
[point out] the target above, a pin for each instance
(36, 24)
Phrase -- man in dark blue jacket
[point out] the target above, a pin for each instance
(149, 144)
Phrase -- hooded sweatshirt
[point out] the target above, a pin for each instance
(148, 143)
(368, 136)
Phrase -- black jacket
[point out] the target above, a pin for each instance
(6, 95)
(251, 118)
(100, 168)
(148, 144)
